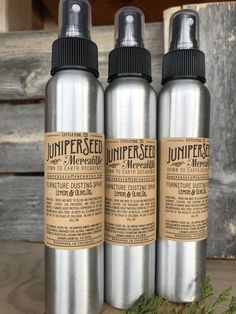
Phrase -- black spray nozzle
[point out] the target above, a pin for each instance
(129, 27)
(184, 30)
(184, 60)
(129, 58)
(74, 49)
(74, 18)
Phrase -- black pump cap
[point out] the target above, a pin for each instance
(129, 58)
(74, 49)
(184, 59)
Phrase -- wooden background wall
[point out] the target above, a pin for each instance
(24, 71)
(45, 11)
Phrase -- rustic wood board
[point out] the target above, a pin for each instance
(21, 213)
(21, 208)
(21, 138)
(25, 59)
(22, 278)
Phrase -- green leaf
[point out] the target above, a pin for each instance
(222, 298)
(232, 307)
(155, 305)
(207, 289)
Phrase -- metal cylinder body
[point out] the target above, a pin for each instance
(74, 278)
(130, 104)
(183, 111)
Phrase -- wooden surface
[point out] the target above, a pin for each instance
(22, 279)
(26, 59)
(103, 11)
(21, 207)
(15, 15)
(21, 131)
(25, 65)
(218, 41)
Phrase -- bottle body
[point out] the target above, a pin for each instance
(183, 111)
(130, 113)
(74, 278)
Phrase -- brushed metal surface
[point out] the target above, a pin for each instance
(74, 278)
(130, 113)
(183, 111)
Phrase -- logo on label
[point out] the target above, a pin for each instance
(188, 151)
(82, 145)
(129, 153)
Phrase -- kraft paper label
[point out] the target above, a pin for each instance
(184, 164)
(74, 190)
(130, 191)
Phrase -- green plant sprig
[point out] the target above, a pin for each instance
(158, 305)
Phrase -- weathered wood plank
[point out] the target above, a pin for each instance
(21, 138)
(21, 208)
(222, 218)
(25, 59)
(21, 213)
(218, 41)
(22, 279)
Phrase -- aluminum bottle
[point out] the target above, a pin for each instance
(74, 103)
(183, 111)
(130, 113)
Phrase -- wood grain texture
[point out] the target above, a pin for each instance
(21, 138)
(25, 59)
(218, 41)
(21, 208)
(15, 15)
(22, 279)
(3, 16)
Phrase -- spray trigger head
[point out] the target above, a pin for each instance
(74, 18)
(129, 27)
(184, 30)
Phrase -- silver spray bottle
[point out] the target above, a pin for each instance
(74, 115)
(183, 132)
(130, 123)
